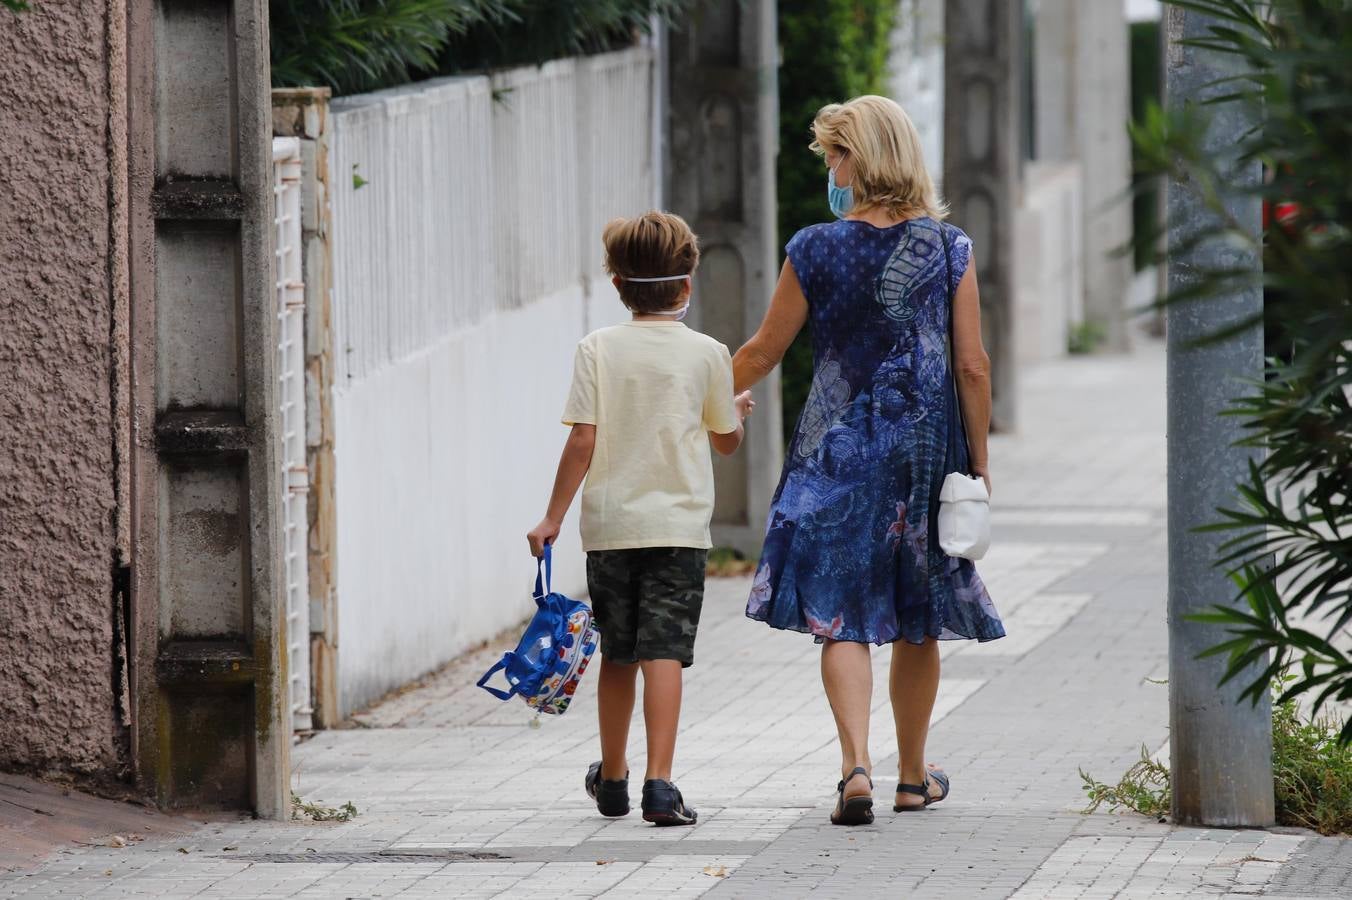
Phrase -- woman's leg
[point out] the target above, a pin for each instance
(847, 674)
(615, 708)
(914, 684)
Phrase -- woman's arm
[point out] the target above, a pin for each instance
(573, 466)
(783, 320)
(972, 371)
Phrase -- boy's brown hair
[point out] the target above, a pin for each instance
(650, 246)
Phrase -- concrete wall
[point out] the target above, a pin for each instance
(1048, 261)
(62, 339)
(915, 74)
(1082, 103)
(466, 268)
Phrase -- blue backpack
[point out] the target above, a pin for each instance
(548, 662)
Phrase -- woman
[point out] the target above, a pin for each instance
(851, 554)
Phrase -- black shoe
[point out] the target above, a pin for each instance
(664, 805)
(612, 797)
(855, 810)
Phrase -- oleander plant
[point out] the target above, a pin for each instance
(1288, 540)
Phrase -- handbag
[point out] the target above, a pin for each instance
(964, 502)
(553, 653)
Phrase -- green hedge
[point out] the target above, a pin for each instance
(353, 46)
(831, 50)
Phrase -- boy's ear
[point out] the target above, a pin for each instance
(617, 281)
(688, 289)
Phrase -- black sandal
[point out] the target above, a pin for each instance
(612, 797)
(854, 810)
(922, 790)
(663, 804)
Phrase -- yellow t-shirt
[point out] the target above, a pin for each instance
(653, 390)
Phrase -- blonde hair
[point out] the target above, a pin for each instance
(650, 246)
(888, 165)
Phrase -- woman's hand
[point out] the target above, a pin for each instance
(983, 471)
(547, 532)
(744, 404)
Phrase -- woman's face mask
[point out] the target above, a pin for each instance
(841, 199)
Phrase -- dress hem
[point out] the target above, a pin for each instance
(950, 636)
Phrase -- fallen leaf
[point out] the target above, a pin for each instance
(117, 840)
(136, 837)
(108, 872)
(604, 862)
(182, 849)
(228, 849)
(716, 871)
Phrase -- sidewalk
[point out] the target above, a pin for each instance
(458, 796)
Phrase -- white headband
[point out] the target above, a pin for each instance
(663, 278)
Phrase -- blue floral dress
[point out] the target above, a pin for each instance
(851, 548)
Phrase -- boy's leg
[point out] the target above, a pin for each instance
(671, 597)
(661, 713)
(613, 581)
(615, 709)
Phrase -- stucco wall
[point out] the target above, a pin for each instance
(58, 513)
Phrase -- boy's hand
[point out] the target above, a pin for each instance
(545, 533)
(744, 404)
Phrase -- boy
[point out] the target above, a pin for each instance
(644, 395)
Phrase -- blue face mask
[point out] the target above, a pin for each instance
(841, 199)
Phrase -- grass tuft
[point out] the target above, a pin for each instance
(1144, 788)
(305, 810)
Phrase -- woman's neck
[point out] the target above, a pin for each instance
(877, 216)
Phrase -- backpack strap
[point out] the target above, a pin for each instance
(544, 571)
(498, 667)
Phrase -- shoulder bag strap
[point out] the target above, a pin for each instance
(962, 463)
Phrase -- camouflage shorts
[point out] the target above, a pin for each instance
(647, 601)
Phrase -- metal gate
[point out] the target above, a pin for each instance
(294, 477)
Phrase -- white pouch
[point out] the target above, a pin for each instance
(964, 516)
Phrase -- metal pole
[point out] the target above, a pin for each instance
(1220, 749)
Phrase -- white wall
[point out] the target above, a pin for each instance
(465, 271)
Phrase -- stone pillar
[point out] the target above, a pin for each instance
(1083, 103)
(981, 167)
(722, 127)
(915, 74)
(211, 719)
(1220, 748)
(304, 113)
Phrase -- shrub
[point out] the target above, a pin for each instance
(541, 30)
(363, 45)
(1311, 769)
